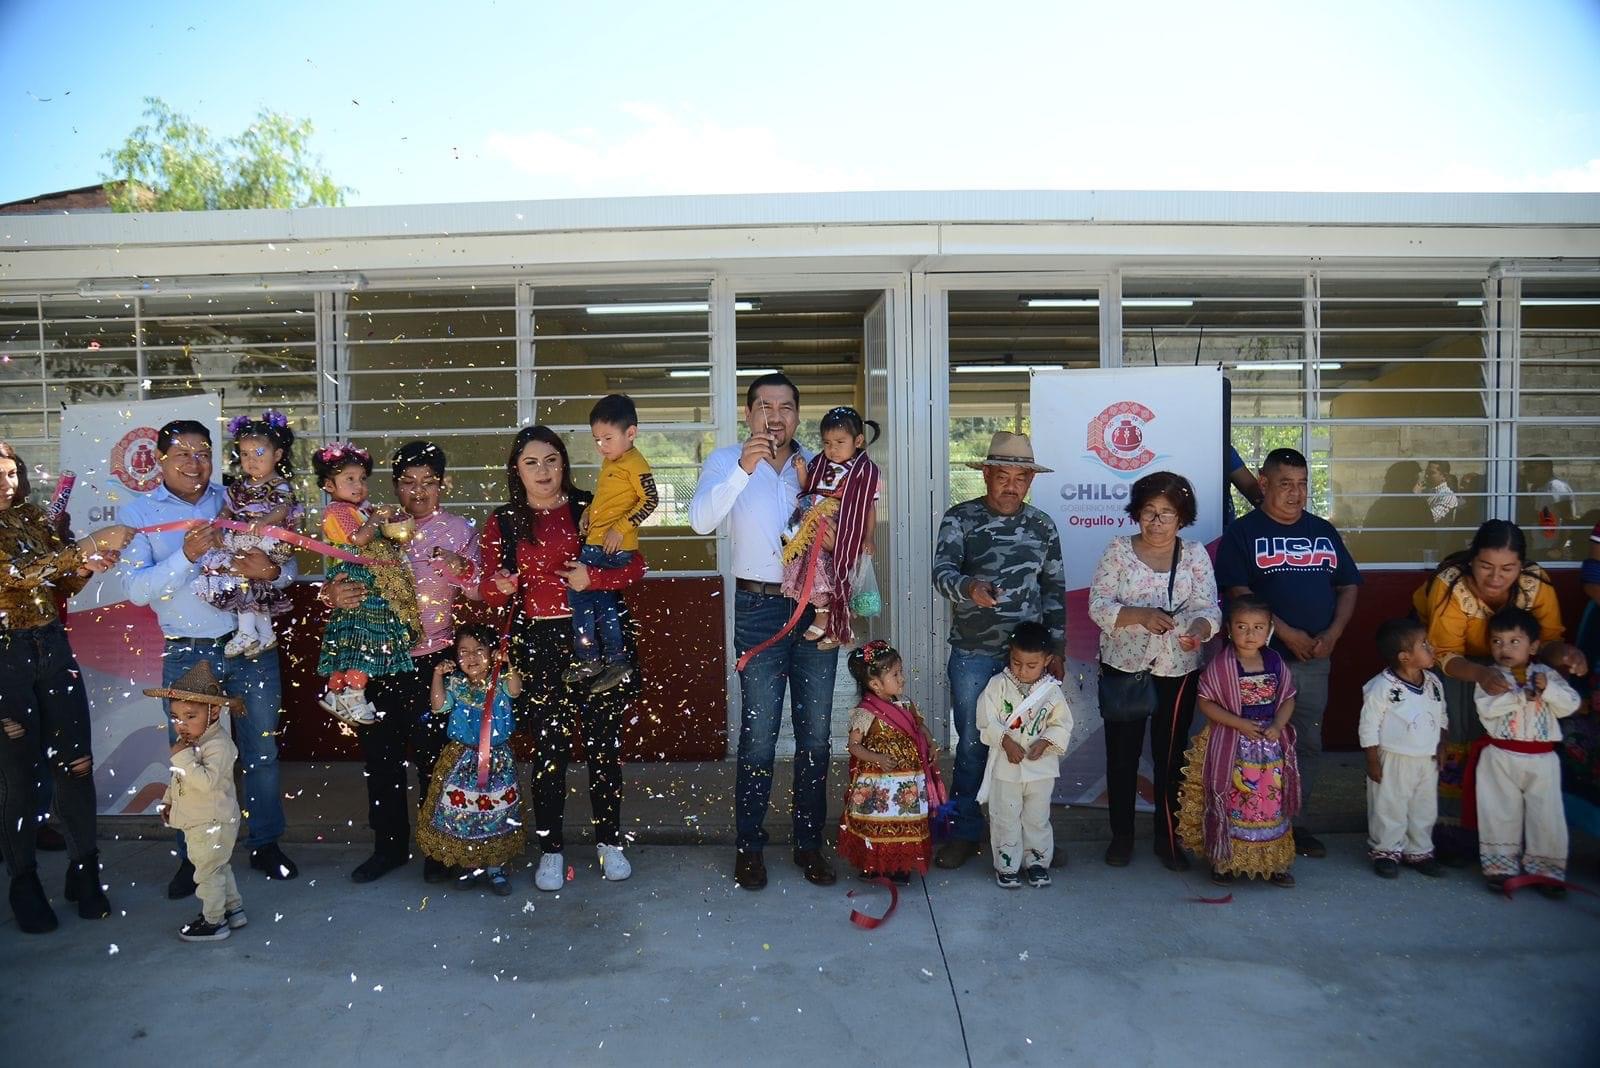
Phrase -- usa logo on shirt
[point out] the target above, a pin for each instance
(1295, 552)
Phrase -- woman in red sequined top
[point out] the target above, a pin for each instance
(529, 551)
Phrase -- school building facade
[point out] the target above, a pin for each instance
(1377, 333)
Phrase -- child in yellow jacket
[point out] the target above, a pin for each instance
(624, 497)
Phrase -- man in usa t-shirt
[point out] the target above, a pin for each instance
(1299, 565)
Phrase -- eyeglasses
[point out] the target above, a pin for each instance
(1163, 518)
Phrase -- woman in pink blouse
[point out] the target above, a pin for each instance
(1154, 598)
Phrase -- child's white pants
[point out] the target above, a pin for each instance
(1019, 824)
(1402, 809)
(210, 849)
(1522, 826)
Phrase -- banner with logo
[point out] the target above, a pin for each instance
(112, 450)
(1106, 430)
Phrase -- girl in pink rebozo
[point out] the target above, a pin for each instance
(261, 493)
(839, 492)
(1241, 785)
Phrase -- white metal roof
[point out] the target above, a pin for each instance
(35, 232)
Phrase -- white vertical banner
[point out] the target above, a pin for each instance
(1101, 431)
(112, 450)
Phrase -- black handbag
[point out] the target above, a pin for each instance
(1126, 696)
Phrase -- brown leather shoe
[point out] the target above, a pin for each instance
(818, 871)
(750, 871)
(955, 853)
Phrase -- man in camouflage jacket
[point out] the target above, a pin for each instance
(998, 561)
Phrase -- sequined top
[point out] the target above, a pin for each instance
(36, 565)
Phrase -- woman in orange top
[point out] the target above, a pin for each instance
(1455, 604)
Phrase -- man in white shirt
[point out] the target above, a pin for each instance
(753, 486)
(1555, 507)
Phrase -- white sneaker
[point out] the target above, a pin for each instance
(332, 703)
(614, 867)
(237, 644)
(358, 709)
(551, 873)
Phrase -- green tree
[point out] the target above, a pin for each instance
(170, 163)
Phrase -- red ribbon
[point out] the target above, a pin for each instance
(1225, 899)
(862, 920)
(801, 603)
(501, 652)
(1517, 882)
(486, 727)
(293, 537)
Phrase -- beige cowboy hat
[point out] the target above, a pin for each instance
(1009, 450)
(198, 684)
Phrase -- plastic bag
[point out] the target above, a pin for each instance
(865, 601)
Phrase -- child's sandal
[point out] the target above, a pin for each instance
(819, 625)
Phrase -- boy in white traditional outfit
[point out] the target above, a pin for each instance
(1522, 826)
(1023, 718)
(1402, 728)
(201, 800)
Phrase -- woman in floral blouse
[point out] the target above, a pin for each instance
(42, 696)
(1154, 598)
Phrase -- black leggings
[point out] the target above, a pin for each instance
(541, 650)
(1124, 743)
(41, 689)
(403, 701)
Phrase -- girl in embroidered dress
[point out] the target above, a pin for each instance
(375, 639)
(894, 772)
(469, 822)
(260, 493)
(838, 491)
(1241, 782)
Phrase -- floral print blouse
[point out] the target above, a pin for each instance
(1122, 580)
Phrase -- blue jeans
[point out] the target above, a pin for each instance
(808, 672)
(969, 674)
(596, 627)
(255, 732)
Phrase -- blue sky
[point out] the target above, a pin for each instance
(419, 103)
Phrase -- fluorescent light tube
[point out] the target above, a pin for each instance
(687, 307)
(1094, 302)
(1004, 368)
(1291, 366)
(221, 285)
(743, 372)
(1542, 302)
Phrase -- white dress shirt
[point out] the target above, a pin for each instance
(157, 574)
(756, 507)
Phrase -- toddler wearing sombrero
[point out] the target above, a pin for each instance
(201, 801)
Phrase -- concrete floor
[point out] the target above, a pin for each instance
(677, 966)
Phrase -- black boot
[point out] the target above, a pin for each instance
(83, 886)
(30, 906)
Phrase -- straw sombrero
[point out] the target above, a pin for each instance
(198, 684)
(1009, 450)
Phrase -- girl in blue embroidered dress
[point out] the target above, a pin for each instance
(465, 825)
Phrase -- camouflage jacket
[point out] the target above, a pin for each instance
(1020, 554)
